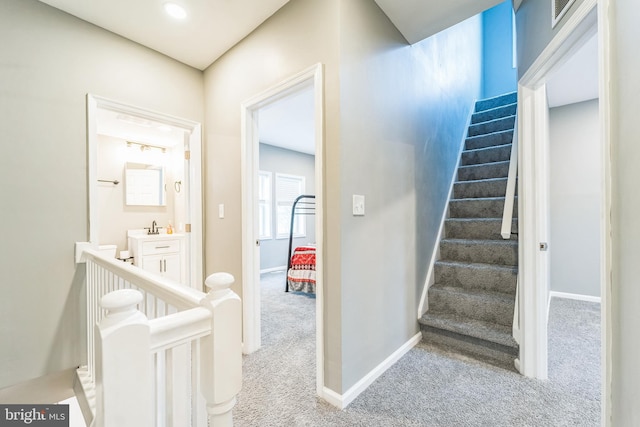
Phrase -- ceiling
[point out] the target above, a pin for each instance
(419, 19)
(577, 79)
(289, 122)
(210, 29)
(135, 129)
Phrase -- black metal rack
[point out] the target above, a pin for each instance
(305, 208)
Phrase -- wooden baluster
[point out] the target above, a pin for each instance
(123, 363)
(221, 364)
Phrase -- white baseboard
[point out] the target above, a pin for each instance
(342, 401)
(578, 297)
(273, 269)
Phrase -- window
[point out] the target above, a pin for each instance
(288, 187)
(264, 205)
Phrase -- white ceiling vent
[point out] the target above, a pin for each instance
(558, 9)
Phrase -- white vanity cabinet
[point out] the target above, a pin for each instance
(162, 254)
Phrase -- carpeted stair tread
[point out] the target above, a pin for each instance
(483, 171)
(480, 276)
(492, 332)
(482, 305)
(495, 125)
(477, 228)
(471, 304)
(486, 207)
(489, 140)
(497, 153)
(480, 188)
(494, 113)
(496, 101)
(503, 252)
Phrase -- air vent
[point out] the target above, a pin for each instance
(559, 9)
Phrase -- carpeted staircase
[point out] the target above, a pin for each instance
(472, 299)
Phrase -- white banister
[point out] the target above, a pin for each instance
(188, 342)
(509, 200)
(123, 365)
(221, 351)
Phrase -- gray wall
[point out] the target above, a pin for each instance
(403, 115)
(575, 196)
(533, 23)
(625, 176)
(498, 74)
(301, 34)
(273, 252)
(394, 120)
(50, 61)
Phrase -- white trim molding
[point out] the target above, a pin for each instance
(577, 297)
(341, 401)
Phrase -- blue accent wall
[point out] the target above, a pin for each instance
(498, 74)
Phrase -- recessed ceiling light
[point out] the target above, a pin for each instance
(175, 10)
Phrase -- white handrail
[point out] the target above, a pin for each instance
(182, 297)
(189, 342)
(509, 199)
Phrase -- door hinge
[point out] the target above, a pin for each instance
(187, 228)
(187, 155)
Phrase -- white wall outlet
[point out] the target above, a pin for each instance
(221, 211)
(358, 205)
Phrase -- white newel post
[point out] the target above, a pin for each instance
(123, 363)
(221, 351)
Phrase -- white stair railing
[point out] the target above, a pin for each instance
(507, 219)
(157, 365)
(509, 199)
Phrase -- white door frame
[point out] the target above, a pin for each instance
(312, 76)
(589, 17)
(193, 212)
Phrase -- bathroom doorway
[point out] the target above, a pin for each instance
(124, 142)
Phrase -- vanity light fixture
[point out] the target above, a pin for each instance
(145, 147)
(175, 10)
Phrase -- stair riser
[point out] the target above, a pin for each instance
(496, 113)
(488, 252)
(479, 208)
(486, 155)
(484, 171)
(480, 229)
(466, 346)
(490, 140)
(496, 311)
(492, 126)
(487, 104)
(488, 278)
(475, 189)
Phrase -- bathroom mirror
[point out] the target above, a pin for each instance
(144, 185)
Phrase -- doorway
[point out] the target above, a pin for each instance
(590, 18)
(307, 80)
(121, 135)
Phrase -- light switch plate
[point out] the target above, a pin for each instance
(221, 211)
(358, 205)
